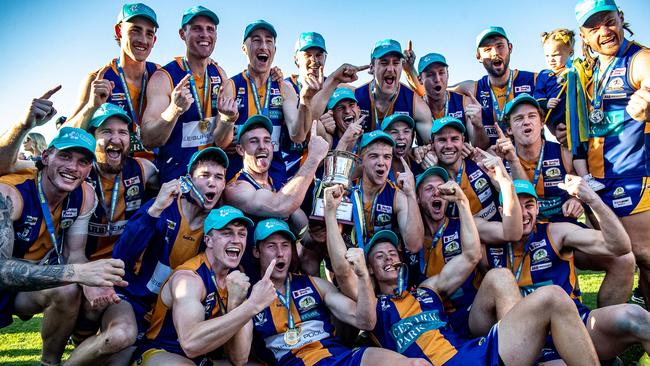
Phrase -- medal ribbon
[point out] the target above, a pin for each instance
(459, 178)
(188, 181)
(538, 166)
(372, 207)
(114, 196)
(256, 96)
(195, 92)
(511, 255)
(47, 216)
(374, 104)
(600, 84)
(129, 101)
(222, 307)
(495, 102)
(286, 301)
(424, 260)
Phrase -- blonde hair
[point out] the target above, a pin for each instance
(39, 144)
(560, 35)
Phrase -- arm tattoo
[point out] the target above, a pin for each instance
(20, 275)
(6, 227)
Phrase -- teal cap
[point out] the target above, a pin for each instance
(268, 227)
(586, 8)
(195, 11)
(106, 111)
(130, 11)
(72, 137)
(397, 117)
(308, 40)
(447, 121)
(521, 187)
(339, 95)
(489, 32)
(381, 237)
(519, 99)
(218, 218)
(216, 153)
(255, 121)
(370, 137)
(263, 24)
(431, 58)
(434, 170)
(386, 46)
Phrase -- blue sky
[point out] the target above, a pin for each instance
(46, 42)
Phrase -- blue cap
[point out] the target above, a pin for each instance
(195, 11)
(308, 40)
(586, 8)
(263, 24)
(268, 227)
(397, 117)
(386, 46)
(519, 99)
(447, 121)
(130, 11)
(219, 218)
(431, 58)
(521, 187)
(434, 170)
(216, 153)
(257, 120)
(106, 111)
(72, 137)
(381, 237)
(370, 137)
(339, 95)
(489, 32)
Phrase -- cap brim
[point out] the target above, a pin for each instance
(247, 126)
(148, 17)
(381, 237)
(490, 34)
(261, 26)
(308, 46)
(384, 53)
(457, 125)
(288, 232)
(332, 104)
(591, 12)
(433, 171)
(66, 146)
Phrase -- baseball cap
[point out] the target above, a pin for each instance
(263, 24)
(521, 187)
(429, 59)
(106, 111)
(397, 117)
(519, 99)
(195, 11)
(255, 121)
(268, 227)
(308, 40)
(489, 32)
(72, 137)
(370, 137)
(218, 218)
(586, 8)
(130, 11)
(386, 46)
(434, 170)
(447, 121)
(216, 153)
(339, 95)
(381, 237)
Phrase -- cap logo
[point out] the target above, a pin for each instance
(269, 225)
(135, 7)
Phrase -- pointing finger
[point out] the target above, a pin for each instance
(269, 270)
(184, 81)
(361, 68)
(407, 169)
(102, 72)
(51, 92)
(410, 45)
(321, 78)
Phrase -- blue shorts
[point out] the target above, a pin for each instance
(459, 321)
(626, 196)
(479, 351)
(340, 356)
(141, 311)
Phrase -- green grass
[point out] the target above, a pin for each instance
(20, 343)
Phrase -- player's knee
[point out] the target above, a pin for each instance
(66, 297)
(499, 277)
(120, 337)
(632, 319)
(554, 298)
(642, 255)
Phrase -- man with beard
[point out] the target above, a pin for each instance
(124, 80)
(257, 93)
(202, 308)
(379, 203)
(619, 113)
(119, 182)
(401, 128)
(168, 230)
(447, 140)
(543, 257)
(256, 192)
(185, 110)
(45, 220)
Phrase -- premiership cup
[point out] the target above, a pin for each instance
(339, 166)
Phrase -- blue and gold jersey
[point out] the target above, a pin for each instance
(247, 107)
(549, 85)
(162, 333)
(378, 214)
(316, 345)
(479, 190)
(31, 238)
(454, 108)
(618, 146)
(190, 133)
(100, 240)
(553, 169)
(403, 103)
(523, 82)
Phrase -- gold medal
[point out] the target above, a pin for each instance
(204, 125)
(292, 336)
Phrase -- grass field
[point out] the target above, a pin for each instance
(20, 344)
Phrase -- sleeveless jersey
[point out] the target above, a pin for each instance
(403, 103)
(31, 237)
(524, 82)
(618, 147)
(189, 133)
(479, 190)
(247, 108)
(550, 85)
(99, 244)
(379, 214)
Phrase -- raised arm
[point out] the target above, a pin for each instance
(423, 120)
(95, 91)
(299, 128)
(408, 212)
(165, 104)
(455, 272)
(474, 117)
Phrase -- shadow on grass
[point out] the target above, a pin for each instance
(28, 352)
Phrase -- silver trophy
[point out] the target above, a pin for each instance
(339, 166)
